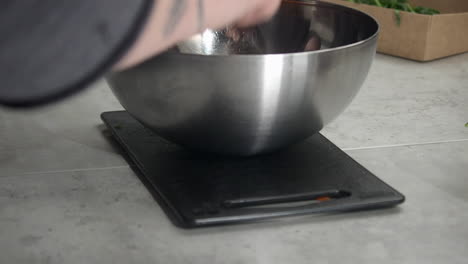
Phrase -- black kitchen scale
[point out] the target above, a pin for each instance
(197, 189)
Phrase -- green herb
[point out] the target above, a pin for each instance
(398, 17)
(466, 125)
(398, 5)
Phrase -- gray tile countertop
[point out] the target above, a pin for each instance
(67, 196)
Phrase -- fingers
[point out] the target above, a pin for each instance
(174, 20)
(240, 12)
(265, 10)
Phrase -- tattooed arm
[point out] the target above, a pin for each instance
(53, 48)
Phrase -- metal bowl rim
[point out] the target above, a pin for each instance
(292, 54)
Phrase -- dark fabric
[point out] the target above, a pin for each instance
(53, 48)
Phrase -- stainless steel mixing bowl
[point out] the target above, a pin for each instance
(250, 91)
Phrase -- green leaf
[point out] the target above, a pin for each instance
(398, 17)
(410, 9)
(466, 125)
(401, 5)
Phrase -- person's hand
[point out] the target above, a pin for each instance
(240, 12)
(174, 20)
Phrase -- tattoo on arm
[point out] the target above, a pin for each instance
(176, 13)
(201, 15)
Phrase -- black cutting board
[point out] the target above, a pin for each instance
(197, 189)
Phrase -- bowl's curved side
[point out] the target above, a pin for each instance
(246, 104)
(243, 105)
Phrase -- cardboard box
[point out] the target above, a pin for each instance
(421, 37)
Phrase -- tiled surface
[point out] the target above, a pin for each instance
(66, 136)
(107, 216)
(406, 102)
(67, 196)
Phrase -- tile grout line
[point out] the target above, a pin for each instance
(344, 149)
(76, 170)
(406, 145)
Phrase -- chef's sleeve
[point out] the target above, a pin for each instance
(50, 49)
